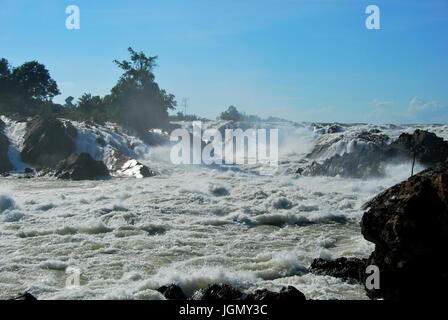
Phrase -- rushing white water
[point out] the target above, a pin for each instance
(15, 131)
(192, 225)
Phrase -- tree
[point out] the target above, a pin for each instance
(89, 103)
(27, 89)
(137, 98)
(231, 114)
(35, 82)
(69, 102)
(5, 69)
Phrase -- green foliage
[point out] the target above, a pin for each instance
(135, 101)
(34, 81)
(26, 90)
(137, 98)
(180, 116)
(232, 114)
(69, 102)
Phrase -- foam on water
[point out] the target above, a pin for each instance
(191, 225)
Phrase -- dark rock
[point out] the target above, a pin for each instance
(408, 223)
(25, 297)
(356, 164)
(289, 293)
(370, 161)
(47, 142)
(5, 164)
(216, 292)
(101, 142)
(345, 268)
(334, 128)
(328, 128)
(429, 148)
(81, 167)
(28, 170)
(172, 292)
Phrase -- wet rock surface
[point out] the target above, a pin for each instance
(345, 268)
(409, 225)
(47, 142)
(356, 164)
(126, 166)
(25, 297)
(217, 292)
(172, 292)
(370, 153)
(81, 167)
(429, 149)
(222, 292)
(289, 293)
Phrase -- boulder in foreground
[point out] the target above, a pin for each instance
(409, 225)
(172, 292)
(81, 167)
(344, 268)
(25, 297)
(289, 293)
(217, 292)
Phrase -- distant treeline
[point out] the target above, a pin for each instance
(135, 101)
(233, 114)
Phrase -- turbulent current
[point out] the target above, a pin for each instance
(191, 224)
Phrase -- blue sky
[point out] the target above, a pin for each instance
(301, 60)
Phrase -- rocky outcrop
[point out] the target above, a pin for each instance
(172, 292)
(356, 164)
(429, 149)
(5, 164)
(222, 292)
(344, 268)
(47, 142)
(408, 224)
(25, 297)
(217, 292)
(327, 128)
(81, 167)
(126, 166)
(358, 142)
(289, 293)
(369, 158)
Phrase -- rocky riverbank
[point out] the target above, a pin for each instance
(408, 223)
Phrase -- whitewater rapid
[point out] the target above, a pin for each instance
(192, 225)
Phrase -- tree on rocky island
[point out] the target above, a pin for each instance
(231, 114)
(137, 98)
(27, 89)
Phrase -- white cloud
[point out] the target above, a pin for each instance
(419, 104)
(378, 103)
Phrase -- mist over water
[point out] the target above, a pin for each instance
(192, 224)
